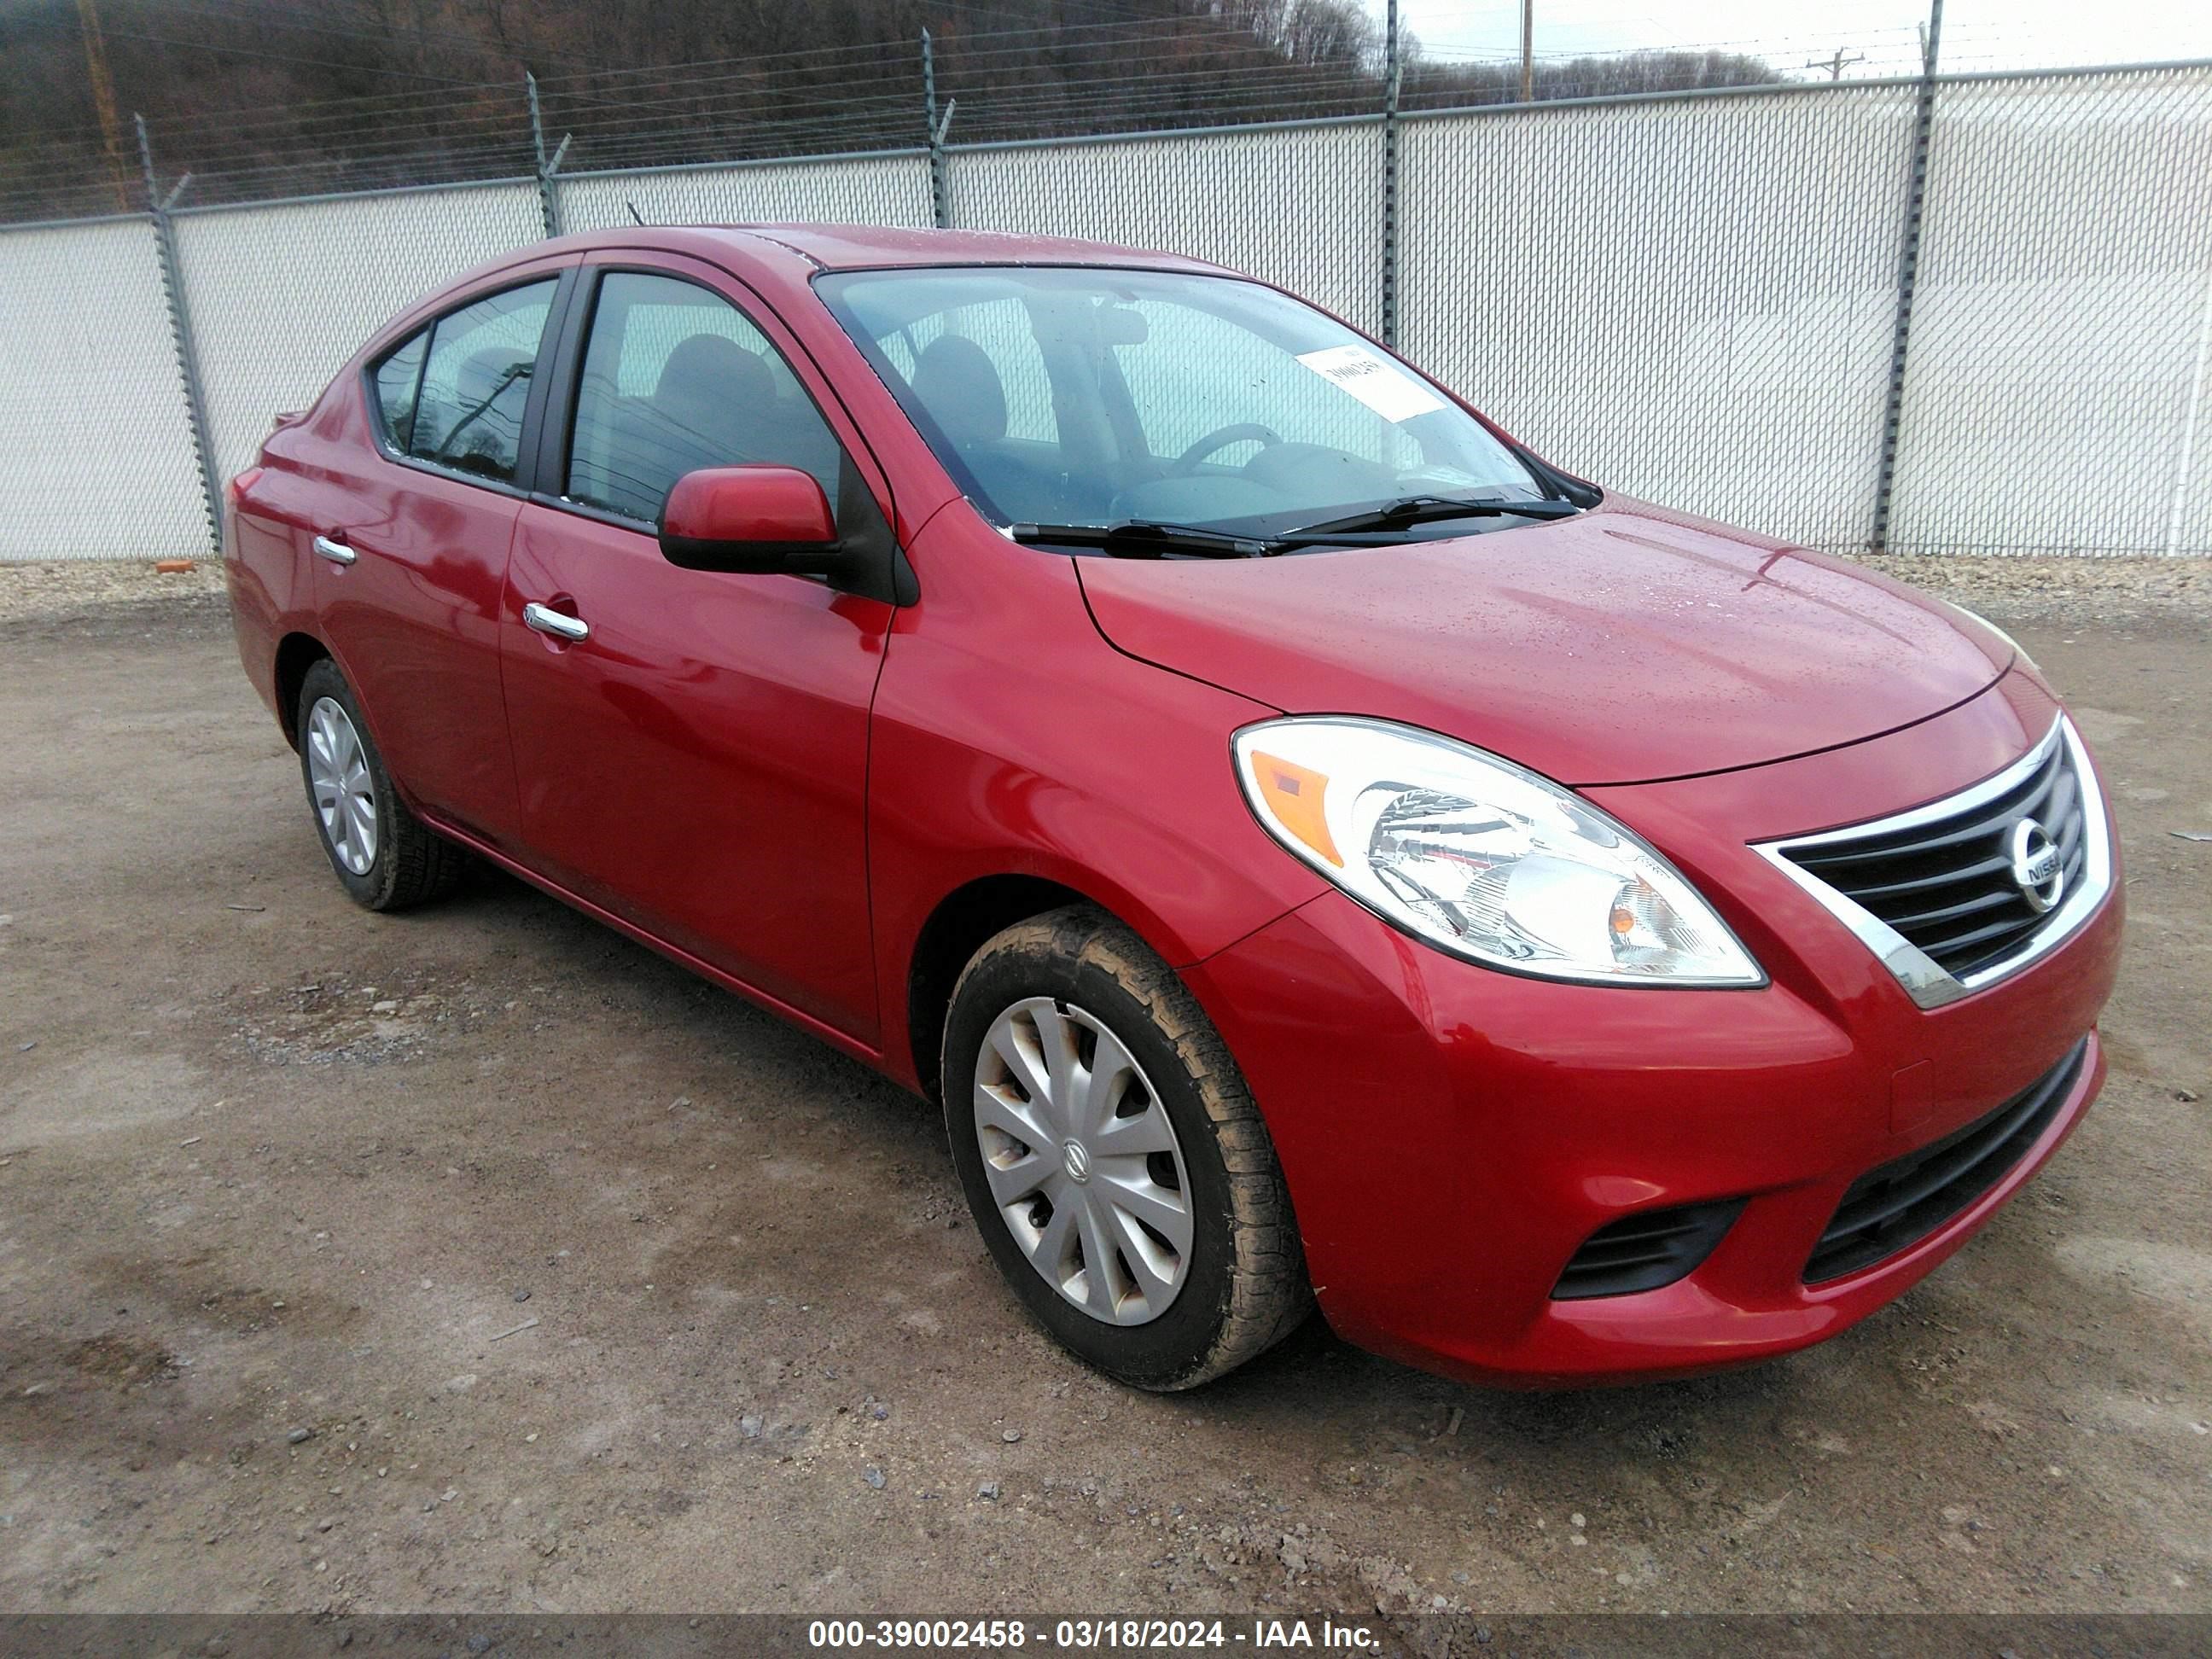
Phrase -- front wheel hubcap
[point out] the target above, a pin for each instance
(1082, 1162)
(338, 777)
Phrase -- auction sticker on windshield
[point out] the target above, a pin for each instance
(1382, 386)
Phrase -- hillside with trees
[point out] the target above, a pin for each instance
(259, 98)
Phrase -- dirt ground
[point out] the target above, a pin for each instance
(279, 1181)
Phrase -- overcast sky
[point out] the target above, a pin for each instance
(1977, 35)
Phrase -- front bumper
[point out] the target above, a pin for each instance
(1451, 1134)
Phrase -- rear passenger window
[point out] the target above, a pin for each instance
(398, 379)
(477, 382)
(674, 379)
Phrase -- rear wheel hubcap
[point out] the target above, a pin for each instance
(338, 777)
(1082, 1162)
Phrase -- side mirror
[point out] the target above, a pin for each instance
(758, 521)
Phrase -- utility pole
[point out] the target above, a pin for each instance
(1835, 64)
(103, 100)
(1528, 51)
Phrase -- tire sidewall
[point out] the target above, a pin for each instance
(1164, 1352)
(374, 887)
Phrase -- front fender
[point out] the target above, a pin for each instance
(1010, 739)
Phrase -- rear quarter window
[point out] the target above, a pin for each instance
(476, 382)
(394, 385)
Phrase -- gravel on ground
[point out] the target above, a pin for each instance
(275, 1174)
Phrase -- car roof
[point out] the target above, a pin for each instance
(857, 247)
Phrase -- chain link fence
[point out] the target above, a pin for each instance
(94, 425)
(1693, 297)
(1299, 205)
(281, 294)
(873, 189)
(2056, 392)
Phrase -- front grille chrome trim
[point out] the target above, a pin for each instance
(1926, 980)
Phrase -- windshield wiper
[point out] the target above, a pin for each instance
(1428, 509)
(1144, 538)
(1140, 538)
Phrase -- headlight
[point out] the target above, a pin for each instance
(1482, 857)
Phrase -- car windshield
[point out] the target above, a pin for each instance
(1091, 396)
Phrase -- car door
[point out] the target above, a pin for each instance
(691, 747)
(412, 554)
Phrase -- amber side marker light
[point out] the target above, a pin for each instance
(1293, 793)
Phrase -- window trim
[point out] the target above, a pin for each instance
(557, 419)
(372, 385)
(563, 278)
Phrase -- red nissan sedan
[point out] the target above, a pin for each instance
(1317, 851)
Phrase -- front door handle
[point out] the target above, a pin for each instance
(546, 619)
(335, 552)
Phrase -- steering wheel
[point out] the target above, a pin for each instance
(1220, 438)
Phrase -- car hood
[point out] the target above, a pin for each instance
(1624, 645)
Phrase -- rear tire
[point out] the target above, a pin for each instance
(1071, 995)
(381, 853)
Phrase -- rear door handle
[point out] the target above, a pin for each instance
(547, 620)
(335, 552)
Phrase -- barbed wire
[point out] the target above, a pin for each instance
(1002, 83)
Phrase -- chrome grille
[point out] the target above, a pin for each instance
(1935, 892)
(1948, 886)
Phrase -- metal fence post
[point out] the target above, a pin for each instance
(549, 204)
(1908, 272)
(1390, 69)
(180, 332)
(940, 194)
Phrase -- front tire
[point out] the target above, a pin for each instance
(381, 852)
(1113, 1159)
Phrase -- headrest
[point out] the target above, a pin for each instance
(959, 385)
(713, 368)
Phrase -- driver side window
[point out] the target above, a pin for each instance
(676, 378)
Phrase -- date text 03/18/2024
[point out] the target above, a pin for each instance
(1089, 1634)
